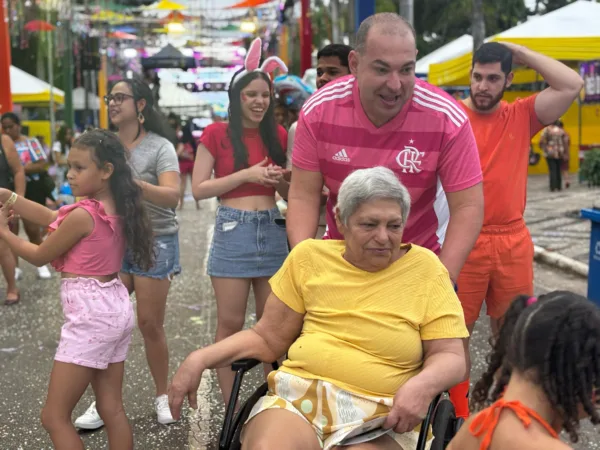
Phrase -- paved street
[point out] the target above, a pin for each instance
(29, 334)
(553, 217)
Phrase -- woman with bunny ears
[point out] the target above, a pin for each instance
(248, 158)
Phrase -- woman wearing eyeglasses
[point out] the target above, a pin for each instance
(148, 139)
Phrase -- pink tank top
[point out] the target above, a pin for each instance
(99, 253)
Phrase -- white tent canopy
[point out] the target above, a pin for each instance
(24, 84)
(579, 19)
(79, 100)
(451, 50)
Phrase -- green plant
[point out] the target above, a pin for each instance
(590, 167)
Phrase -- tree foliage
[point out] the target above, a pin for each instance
(550, 5)
(439, 22)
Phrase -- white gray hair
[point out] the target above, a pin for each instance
(364, 185)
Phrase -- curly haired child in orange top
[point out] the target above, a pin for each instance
(542, 378)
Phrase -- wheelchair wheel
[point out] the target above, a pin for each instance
(458, 423)
(444, 425)
(243, 414)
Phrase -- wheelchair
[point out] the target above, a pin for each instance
(440, 415)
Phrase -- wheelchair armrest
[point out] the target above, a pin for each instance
(244, 364)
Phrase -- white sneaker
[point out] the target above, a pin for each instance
(162, 410)
(18, 273)
(44, 273)
(89, 420)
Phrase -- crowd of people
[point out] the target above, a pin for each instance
(371, 230)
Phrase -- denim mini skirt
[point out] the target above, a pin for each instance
(247, 244)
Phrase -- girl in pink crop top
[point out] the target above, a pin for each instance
(87, 244)
(88, 256)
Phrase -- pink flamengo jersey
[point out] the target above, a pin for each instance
(429, 145)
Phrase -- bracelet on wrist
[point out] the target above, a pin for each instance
(11, 200)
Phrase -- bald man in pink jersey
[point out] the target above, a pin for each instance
(382, 116)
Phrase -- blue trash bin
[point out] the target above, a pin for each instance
(594, 273)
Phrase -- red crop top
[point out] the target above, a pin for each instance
(217, 142)
(99, 253)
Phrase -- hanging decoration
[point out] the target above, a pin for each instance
(39, 25)
(165, 5)
(124, 36)
(111, 17)
(250, 4)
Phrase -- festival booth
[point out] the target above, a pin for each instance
(169, 58)
(31, 97)
(458, 47)
(570, 34)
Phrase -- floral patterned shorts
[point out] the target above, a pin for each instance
(333, 413)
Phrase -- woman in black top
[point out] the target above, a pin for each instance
(12, 176)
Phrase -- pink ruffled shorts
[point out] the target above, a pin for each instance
(99, 321)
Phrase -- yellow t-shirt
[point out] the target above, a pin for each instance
(363, 331)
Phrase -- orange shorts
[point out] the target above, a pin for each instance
(499, 268)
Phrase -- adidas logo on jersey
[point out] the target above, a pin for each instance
(341, 156)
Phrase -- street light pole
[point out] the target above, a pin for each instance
(407, 11)
(5, 95)
(335, 19)
(50, 38)
(68, 67)
(306, 38)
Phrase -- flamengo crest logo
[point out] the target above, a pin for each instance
(410, 159)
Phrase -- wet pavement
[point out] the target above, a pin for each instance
(29, 333)
(553, 217)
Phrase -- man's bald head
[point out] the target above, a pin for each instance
(384, 65)
(385, 23)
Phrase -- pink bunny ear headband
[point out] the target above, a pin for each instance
(253, 59)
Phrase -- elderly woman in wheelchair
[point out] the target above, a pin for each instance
(372, 329)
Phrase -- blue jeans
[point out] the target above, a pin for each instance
(166, 259)
(247, 244)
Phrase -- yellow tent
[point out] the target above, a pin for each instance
(26, 88)
(571, 33)
(33, 94)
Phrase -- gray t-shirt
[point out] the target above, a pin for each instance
(152, 157)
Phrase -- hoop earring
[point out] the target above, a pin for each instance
(141, 118)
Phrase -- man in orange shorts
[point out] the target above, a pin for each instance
(500, 265)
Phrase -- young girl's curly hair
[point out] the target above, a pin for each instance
(107, 148)
(554, 342)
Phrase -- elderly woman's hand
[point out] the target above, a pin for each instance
(411, 403)
(185, 383)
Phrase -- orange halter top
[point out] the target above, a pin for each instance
(486, 421)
